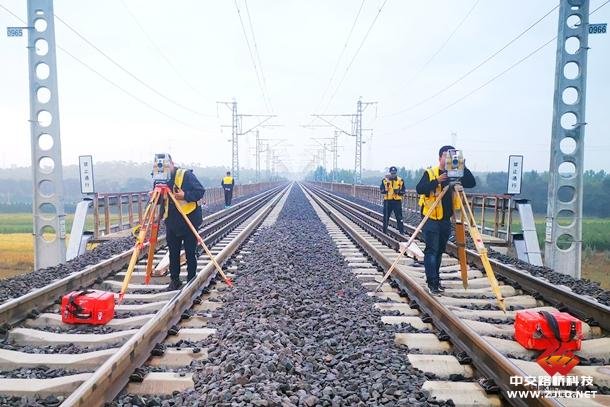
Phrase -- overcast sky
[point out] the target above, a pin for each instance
(194, 53)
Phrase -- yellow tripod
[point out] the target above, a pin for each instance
(153, 214)
(463, 216)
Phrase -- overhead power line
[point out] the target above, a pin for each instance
(355, 55)
(128, 93)
(254, 65)
(160, 52)
(258, 57)
(481, 86)
(471, 71)
(349, 36)
(132, 75)
(526, 57)
(443, 45)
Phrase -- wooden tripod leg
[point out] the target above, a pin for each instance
(147, 219)
(478, 243)
(154, 232)
(200, 240)
(413, 236)
(460, 238)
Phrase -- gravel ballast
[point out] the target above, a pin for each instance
(299, 329)
(582, 286)
(19, 285)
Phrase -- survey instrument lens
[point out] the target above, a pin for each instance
(454, 164)
(161, 172)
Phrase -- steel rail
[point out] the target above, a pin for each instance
(17, 309)
(112, 376)
(586, 308)
(485, 357)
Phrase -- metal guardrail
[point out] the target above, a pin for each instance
(113, 212)
(492, 211)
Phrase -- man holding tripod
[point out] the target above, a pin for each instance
(393, 189)
(437, 229)
(188, 191)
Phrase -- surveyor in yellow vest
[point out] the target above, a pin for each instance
(393, 189)
(437, 229)
(188, 191)
(227, 184)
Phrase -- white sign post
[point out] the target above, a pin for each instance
(85, 165)
(515, 173)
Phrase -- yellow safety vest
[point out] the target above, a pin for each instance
(391, 186)
(426, 201)
(227, 180)
(187, 207)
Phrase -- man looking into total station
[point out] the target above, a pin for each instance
(188, 191)
(437, 229)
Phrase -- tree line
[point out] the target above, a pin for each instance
(121, 176)
(534, 186)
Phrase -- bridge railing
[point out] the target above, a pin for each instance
(492, 211)
(114, 212)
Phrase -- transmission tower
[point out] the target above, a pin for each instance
(356, 132)
(333, 149)
(262, 147)
(236, 132)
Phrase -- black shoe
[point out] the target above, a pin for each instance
(434, 290)
(174, 285)
(440, 288)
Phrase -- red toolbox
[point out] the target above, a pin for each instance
(87, 307)
(542, 330)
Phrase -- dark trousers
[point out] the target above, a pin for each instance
(436, 234)
(228, 196)
(389, 206)
(174, 242)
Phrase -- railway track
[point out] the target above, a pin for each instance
(208, 344)
(35, 337)
(463, 333)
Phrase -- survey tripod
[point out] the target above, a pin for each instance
(148, 230)
(463, 216)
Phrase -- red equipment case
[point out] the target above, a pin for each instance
(543, 330)
(87, 307)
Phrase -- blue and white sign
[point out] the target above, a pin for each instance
(598, 28)
(14, 31)
(515, 172)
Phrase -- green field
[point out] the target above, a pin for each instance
(16, 245)
(22, 222)
(595, 232)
